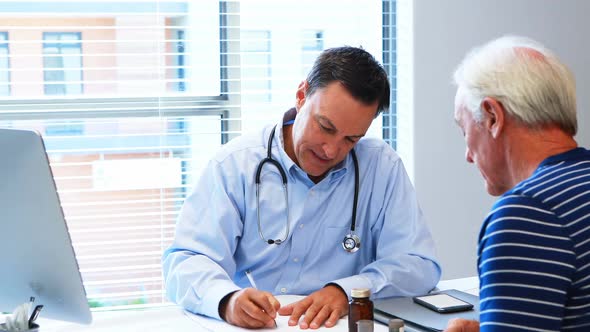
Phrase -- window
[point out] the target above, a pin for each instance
(133, 99)
(256, 66)
(62, 62)
(129, 100)
(4, 65)
(312, 43)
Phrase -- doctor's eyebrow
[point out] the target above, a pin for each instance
(326, 123)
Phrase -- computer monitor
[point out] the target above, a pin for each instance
(36, 254)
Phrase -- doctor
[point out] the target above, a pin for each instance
(306, 206)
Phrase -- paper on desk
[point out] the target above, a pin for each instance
(214, 325)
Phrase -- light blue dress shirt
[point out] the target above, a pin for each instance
(217, 238)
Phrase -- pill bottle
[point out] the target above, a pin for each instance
(359, 308)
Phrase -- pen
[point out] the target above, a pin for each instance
(251, 279)
(253, 283)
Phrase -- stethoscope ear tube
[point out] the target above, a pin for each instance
(278, 166)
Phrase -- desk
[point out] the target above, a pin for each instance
(168, 319)
(172, 318)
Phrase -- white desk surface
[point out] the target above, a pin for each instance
(172, 318)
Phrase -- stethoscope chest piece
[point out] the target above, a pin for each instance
(351, 243)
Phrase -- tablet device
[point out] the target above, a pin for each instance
(443, 303)
(421, 318)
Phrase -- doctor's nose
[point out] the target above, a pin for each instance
(330, 150)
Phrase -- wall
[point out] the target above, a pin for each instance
(451, 191)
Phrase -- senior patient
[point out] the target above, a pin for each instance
(516, 106)
(304, 206)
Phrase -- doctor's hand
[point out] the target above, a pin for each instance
(326, 305)
(250, 308)
(462, 325)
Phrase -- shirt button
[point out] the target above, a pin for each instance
(283, 290)
(301, 226)
(295, 259)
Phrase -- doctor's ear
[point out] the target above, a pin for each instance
(301, 94)
(493, 116)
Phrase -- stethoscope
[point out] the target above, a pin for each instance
(350, 243)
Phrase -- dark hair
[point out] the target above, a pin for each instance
(356, 69)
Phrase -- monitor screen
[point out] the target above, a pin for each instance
(36, 251)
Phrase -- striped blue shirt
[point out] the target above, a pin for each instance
(534, 251)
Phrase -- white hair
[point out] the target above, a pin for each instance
(532, 84)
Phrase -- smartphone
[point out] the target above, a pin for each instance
(443, 303)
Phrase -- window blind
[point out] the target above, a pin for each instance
(134, 97)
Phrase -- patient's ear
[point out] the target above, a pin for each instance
(494, 116)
